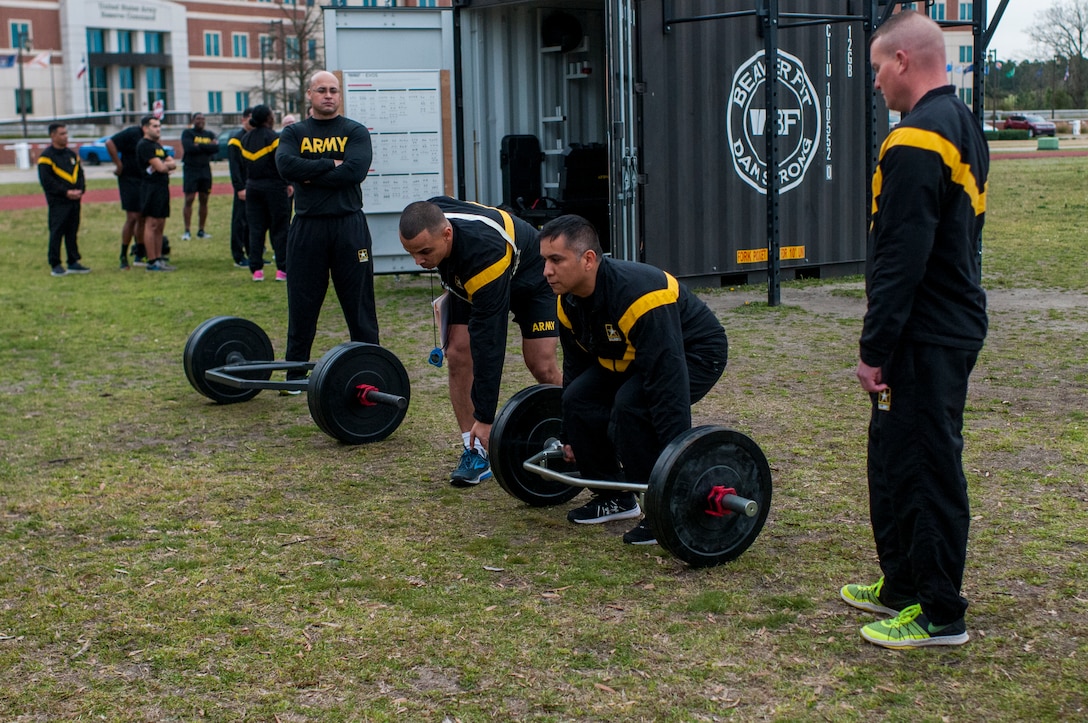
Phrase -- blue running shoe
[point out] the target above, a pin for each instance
(471, 470)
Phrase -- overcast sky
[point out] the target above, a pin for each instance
(1011, 39)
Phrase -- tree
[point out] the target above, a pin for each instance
(298, 53)
(1062, 28)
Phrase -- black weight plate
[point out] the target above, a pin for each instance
(220, 341)
(520, 430)
(685, 473)
(334, 398)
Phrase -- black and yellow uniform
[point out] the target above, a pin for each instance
(494, 268)
(329, 234)
(924, 327)
(132, 173)
(59, 171)
(155, 190)
(637, 354)
(239, 229)
(200, 147)
(268, 207)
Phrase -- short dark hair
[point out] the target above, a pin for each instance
(580, 234)
(260, 116)
(54, 127)
(421, 216)
(146, 121)
(247, 112)
(195, 115)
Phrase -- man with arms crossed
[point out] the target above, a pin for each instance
(326, 157)
(923, 330)
(155, 191)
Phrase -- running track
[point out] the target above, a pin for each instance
(222, 187)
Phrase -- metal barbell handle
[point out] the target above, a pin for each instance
(369, 396)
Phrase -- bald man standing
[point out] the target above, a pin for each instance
(325, 157)
(924, 327)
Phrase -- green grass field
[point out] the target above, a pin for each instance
(165, 558)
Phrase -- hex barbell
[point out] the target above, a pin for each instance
(356, 392)
(707, 498)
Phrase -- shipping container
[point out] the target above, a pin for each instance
(650, 120)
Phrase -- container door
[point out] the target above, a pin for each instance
(622, 145)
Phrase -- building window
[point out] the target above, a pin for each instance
(967, 54)
(241, 100)
(124, 41)
(156, 86)
(126, 81)
(967, 10)
(99, 88)
(965, 95)
(266, 46)
(936, 11)
(211, 44)
(96, 40)
(24, 102)
(364, 3)
(428, 3)
(240, 45)
(311, 49)
(153, 42)
(215, 101)
(19, 31)
(292, 48)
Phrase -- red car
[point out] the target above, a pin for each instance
(1035, 125)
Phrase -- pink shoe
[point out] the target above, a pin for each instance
(281, 275)
(258, 275)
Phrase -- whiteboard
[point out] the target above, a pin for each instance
(403, 112)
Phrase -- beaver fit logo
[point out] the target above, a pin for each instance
(798, 122)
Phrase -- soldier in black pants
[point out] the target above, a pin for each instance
(62, 180)
(239, 230)
(638, 350)
(326, 157)
(268, 204)
(924, 327)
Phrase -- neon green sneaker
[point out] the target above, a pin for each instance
(912, 629)
(867, 597)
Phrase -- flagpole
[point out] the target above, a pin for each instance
(53, 86)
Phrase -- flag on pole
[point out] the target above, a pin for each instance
(41, 60)
(82, 70)
(7, 61)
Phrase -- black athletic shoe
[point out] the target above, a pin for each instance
(641, 534)
(606, 506)
(78, 268)
(58, 271)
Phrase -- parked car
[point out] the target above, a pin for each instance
(94, 153)
(1035, 125)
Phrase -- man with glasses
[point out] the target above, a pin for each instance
(325, 157)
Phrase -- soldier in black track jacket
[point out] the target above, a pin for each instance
(325, 158)
(239, 229)
(268, 205)
(638, 350)
(925, 324)
(61, 177)
(490, 264)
